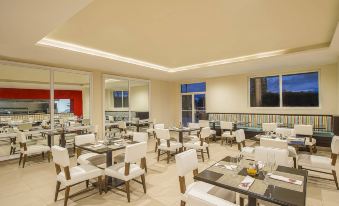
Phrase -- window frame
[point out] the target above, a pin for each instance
(280, 89)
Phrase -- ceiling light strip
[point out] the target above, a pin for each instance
(99, 53)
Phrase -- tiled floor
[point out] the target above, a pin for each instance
(35, 184)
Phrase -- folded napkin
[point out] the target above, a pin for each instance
(229, 167)
(246, 183)
(97, 145)
(286, 179)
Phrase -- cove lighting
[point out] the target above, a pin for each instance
(95, 52)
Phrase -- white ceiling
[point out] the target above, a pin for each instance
(171, 34)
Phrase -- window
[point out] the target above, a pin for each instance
(290, 90)
(120, 99)
(195, 87)
(63, 106)
(264, 91)
(193, 102)
(300, 90)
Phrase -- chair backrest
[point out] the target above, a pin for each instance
(140, 136)
(303, 129)
(60, 156)
(186, 162)
(21, 137)
(193, 125)
(110, 118)
(269, 127)
(122, 125)
(240, 135)
(273, 143)
(162, 134)
(159, 126)
(226, 125)
(285, 132)
(86, 121)
(207, 200)
(335, 145)
(281, 155)
(135, 152)
(204, 123)
(135, 119)
(84, 139)
(205, 132)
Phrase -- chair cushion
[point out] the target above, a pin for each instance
(36, 149)
(213, 132)
(195, 145)
(118, 171)
(309, 143)
(203, 190)
(79, 174)
(248, 152)
(228, 134)
(314, 161)
(173, 146)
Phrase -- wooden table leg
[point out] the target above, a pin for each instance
(108, 164)
(252, 201)
(181, 140)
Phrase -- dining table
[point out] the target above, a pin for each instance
(181, 131)
(294, 141)
(107, 148)
(62, 132)
(284, 185)
(138, 124)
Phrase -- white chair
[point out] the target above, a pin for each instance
(194, 134)
(307, 132)
(128, 170)
(157, 126)
(269, 127)
(280, 144)
(29, 150)
(123, 128)
(247, 152)
(201, 144)
(285, 132)
(85, 158)
(227, 132)
(206, 123)
(164, 143)
(140, 137)
(320, 163)
(280, 155)
(187, 162)
(74, 175)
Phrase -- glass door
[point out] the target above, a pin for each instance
(193, 105)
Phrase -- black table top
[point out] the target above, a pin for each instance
(277, 195)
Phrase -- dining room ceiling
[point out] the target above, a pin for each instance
(171, 39)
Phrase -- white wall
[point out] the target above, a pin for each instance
(139, 98)
(230, 93)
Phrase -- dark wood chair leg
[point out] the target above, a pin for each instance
(335, 178)
(25, 159)
(295, 162)
(127, 190)
(182, 203)
(156, 147)
(143, 182)
(168, 156)
(241, 201)
(20, 159)
(143, 163)
(66, 195)
(57, 191)
(87, 183)
(49, 156)
(208, 152)
(202, 155)
(100, 184)
(106, 183)
(158, 155)
(43, 155)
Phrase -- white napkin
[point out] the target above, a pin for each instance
(286, 179)
(229, 167)
(97, 145)
(246, 183)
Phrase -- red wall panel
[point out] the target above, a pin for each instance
(74, 95)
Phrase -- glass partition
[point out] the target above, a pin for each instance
(139, 104)
(24, 106)
(116, 100)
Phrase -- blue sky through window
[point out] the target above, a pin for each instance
(306, 82)
(272, 84)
